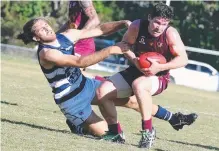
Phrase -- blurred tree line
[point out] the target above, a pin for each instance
(196, 21)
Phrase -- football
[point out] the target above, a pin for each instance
(145, 63)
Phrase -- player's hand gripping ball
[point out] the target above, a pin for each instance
(145, 63)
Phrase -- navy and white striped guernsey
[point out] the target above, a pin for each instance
(66, 82)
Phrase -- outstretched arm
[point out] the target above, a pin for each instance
(55, 57)
(90, 11)
(103, 29)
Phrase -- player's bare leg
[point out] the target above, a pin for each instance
(108, 110)
(142, 89)
(177, 120)
(94, 125)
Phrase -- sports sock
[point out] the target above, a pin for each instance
(115, 128)
(163, 114)
(147, 124)
(99, 78)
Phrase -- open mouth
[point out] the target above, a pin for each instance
(157, 32)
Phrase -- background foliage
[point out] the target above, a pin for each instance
(196, 21)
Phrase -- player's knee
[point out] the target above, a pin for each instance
(103, 92)
(132, 104)
(96, 125)
(140, 84)
(98, 130)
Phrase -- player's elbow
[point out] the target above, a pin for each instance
(93, 22)
(74, 61)
(61, 63)
(68, 63)
(97, 21)
(81, 63)
(78, 63)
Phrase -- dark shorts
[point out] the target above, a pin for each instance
(85, 47)
(124, 79)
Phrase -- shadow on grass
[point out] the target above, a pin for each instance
(184, 143)
(33, 126)
(157, 149)
(8, 103)
(15, 104)
(46, 128)
(190, 144)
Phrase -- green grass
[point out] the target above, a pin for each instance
(30, 120)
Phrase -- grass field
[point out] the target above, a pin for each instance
(31, 121)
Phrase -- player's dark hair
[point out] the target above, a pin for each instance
(162, 10)
(28, 33)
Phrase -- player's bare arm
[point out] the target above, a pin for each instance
(104, 29)
(130, 38)
(177, 48)
(51, 57)
(91, 13)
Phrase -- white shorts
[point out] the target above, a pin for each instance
(78, 108)
(124, 89)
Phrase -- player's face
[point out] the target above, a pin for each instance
(157, 26)
(43, 31)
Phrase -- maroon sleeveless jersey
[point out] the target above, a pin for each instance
(76, 14)
(145, 42)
